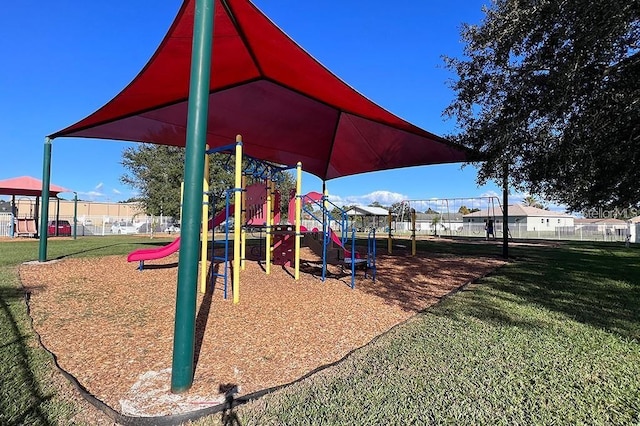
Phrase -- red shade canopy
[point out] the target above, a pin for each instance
(286, 105)
(27, 186)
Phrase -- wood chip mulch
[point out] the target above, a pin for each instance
(111, 326)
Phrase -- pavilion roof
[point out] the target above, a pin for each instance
(287, 106)
(27, 186)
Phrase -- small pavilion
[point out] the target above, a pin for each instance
(368, 216)
(26, 186)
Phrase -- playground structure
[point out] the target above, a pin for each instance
(282, 110)
(445, 217)
(324, 241)
(257, 207)
(141, 255)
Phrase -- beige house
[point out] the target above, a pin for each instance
(87, 210)
(521, 218)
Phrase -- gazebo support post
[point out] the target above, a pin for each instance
(36, 212)
(57, 217)
(46, 179)
(75, 216)
(14, 217)
(184, 330)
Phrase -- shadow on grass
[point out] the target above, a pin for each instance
(454, 246)
(25, 405)
(598, 285)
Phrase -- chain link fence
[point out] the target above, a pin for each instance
(102, 225)
(137, 225)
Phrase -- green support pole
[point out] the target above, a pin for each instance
(44, 217)
(184, 331)
(75, 216)
(14, 217)
(57, 217)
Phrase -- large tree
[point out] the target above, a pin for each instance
(551, 90)
(156, 172)
(402, 211)
(532, 201)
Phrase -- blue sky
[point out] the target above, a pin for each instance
(65, 59)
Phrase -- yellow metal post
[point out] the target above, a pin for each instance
(204, 240)
(325, 204)
(237, 219)
(298, 218)
(389, 242)
(267, 260)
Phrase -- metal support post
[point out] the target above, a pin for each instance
(184, 331)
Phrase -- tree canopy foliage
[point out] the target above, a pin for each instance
(551, 89)
(532, 201)
(402, 211)
(157, 172)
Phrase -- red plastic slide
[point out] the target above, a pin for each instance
(164, 251)
(338, 242)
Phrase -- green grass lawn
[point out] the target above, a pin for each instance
(551, 338)
(30, 391)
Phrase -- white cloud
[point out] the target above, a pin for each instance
(99, 186)
(491, 194)
(91, 195)
(115, 191)
(386, 198)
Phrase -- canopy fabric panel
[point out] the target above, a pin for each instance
(287, 106)
(27, 186)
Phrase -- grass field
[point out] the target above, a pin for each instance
(31, 391)
(551, 338)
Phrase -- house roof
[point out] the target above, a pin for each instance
(610, 221)
(27, 186)
(287, 106)
(367, 211)
(516, 210)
